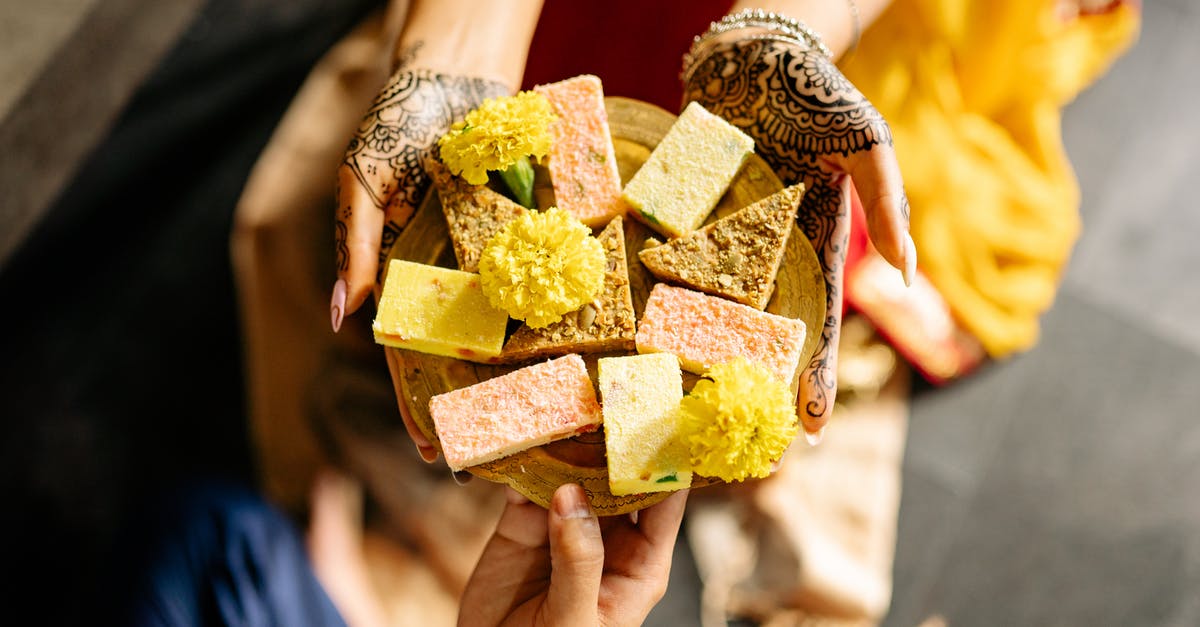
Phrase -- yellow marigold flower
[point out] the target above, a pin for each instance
(497, 134)
(541, 266)
(737, 421)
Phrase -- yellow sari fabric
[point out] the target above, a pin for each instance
(974, 93)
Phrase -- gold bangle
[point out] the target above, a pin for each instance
(781, 26)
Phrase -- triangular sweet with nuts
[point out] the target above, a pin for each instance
(605, 324)
(474, 213)
(735, 257)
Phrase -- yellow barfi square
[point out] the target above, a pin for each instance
(640, 396)
(438, 311)
(689, 170)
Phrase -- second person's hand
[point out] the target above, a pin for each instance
(565, 566)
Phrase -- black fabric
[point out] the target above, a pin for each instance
(121, 371)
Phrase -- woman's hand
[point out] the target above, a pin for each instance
(454, 54)
(381, 180)
(812, 125)
(567, 567)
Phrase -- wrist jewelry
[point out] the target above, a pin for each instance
(778, 26)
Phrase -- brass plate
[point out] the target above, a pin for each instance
(636, 128)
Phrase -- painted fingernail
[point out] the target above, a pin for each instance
(427, 454)
(337, 305)
(462, 477)
(573, 504)
(815, 438)
(910, 259)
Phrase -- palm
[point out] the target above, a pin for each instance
(521, 580)
(381, 179)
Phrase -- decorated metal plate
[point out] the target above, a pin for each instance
(636, 129)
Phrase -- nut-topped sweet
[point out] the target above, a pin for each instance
(737, 256)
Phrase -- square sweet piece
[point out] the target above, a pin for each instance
(438, 311)
(504, 415)
(689, 170)
(641, 395)
(704, 331)
(583, 164)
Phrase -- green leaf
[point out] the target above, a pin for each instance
(519, 180)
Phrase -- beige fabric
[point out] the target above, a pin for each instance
(814, 540)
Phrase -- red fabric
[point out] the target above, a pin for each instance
(634, 46)
(859, 242)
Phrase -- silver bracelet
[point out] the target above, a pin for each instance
(782, 26)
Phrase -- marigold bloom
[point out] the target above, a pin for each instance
(497, 134)
(737, 421)
(541, 266)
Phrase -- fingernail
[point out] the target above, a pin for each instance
(337, 304)
(427, 454)
(514, 497)
(815, 438)
(462, 477)
(573, 504)
(910, 259)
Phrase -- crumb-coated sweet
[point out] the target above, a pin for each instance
(737, 256)
(583, 163)
(687, 173)
(704, 331)
(640, 396)
(528, 407)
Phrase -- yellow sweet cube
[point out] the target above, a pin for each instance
(639, 397)
(438, 311)
(689, 170)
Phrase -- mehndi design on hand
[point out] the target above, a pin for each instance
(811, 125)
(381, 180)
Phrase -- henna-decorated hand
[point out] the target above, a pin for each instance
(812, 125)
(381, 180)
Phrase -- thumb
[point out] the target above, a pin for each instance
(576, 559)
(876, 176)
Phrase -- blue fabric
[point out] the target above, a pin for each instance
(221, 555)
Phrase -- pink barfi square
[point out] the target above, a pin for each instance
(495, 418)
(583, 163)
(704, 331)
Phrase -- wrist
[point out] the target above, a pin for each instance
(837, 22)
(469, 38)
(752, 25)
